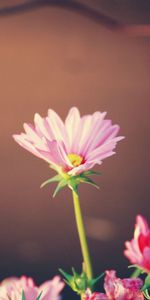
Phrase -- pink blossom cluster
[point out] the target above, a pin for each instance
(115, 288)
(138, 252)
(13, 288)
(138, 249)
(118, 289)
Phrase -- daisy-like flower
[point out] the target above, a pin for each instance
(71, 147)
(25, 288)
(138, 249)
(118, 289)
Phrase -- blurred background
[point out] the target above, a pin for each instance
(95, 55)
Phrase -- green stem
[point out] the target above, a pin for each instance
(82, 296)
(82, 236)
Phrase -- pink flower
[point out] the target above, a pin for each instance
(94, 296)
(12, 288)
(138, 249)
(118, 289)
(73, 146)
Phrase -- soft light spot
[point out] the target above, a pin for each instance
(101, 229)
(75, 159)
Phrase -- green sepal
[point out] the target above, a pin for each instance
(79, 283)
(23, 295)
(146, 283)
(73, 185)
(74, 181)
(136, 272)
(92, 172)
(65, 274)
(86, 179)
(60, 186)
(39, 296)
(137, 268)
(50, 180)
(95, 280)
(64, 179)
(132, 266)
(146, 294)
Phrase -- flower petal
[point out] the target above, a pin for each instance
(56, 154)
(12, 288)
(138, 249)
(56, 126)
(97, 123)
(42, 127)
(82, 134)
(51, 288)
(146, 256)
(71, 124)
(141, 226)
(21, 139)
(105, 150)
(94, 296)
(82, 168)
(122, 289)
(31, 133)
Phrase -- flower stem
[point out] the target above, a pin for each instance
(82, 236)
(82, 296)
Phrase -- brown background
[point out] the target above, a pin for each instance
(55, 58)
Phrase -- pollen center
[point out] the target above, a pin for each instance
(75, 159)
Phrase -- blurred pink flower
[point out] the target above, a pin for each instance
(138, 249)
(73, 146)
(94, 296)
(118, 289)
(12, 288)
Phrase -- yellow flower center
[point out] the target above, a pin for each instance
(75, 159)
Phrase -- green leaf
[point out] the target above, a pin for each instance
(50, 180)
(23, 295)
(60, 186)
(39, 296)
